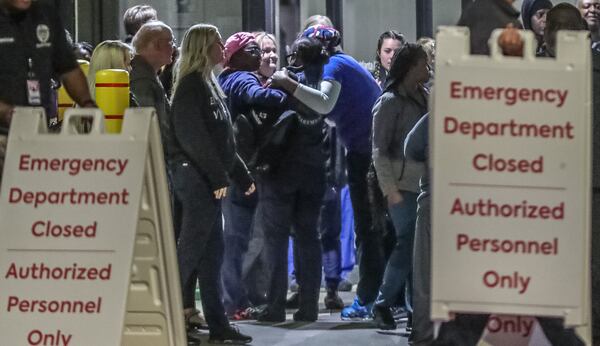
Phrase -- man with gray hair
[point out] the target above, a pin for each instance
(153, 45)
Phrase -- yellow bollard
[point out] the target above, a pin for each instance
(112, 97)
(84, 65)
(64, 100)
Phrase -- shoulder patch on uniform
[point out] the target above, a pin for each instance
(43, 33)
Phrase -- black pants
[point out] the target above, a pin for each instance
(369, 249)
(291, 198)
(200, 244)
(255, 271)
(238, 212)
(466, 330)
(330, 227)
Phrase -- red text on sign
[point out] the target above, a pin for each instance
(525, 210)
(71, 165)
(511, 128)
(51, 230)
(37, 337)
(493, 279)
(43, 306)
(40, 271)
(509, 95)
(490, 163)
(72, 196)
(511, 324)
(508, 246)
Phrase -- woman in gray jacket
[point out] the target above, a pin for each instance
(397, 110)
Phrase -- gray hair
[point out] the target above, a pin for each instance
(149, 33)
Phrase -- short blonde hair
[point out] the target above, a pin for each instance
(317, 19)
(148, 33)
(108, 55)
(262, 35)
(194, 55)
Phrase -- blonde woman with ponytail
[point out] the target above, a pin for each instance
(204, 162)
(108, 55)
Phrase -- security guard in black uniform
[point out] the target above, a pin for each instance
(33, 48)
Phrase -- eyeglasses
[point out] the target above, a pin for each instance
(252, 50)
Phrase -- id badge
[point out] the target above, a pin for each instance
(34, 97)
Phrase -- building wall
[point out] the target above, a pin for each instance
(364, 21)
(181, 14)
(96, 20)
(311, 7)
(445, 12)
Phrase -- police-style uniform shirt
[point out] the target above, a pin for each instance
(38, 34)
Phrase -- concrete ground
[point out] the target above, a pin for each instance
(328, 330)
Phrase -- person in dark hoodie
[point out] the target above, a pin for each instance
(484, 16)
(533, 13)
(252, 107)
(290, 197)
(346, 97)
(204, 162)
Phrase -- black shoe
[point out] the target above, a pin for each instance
(194, 319)
(409, 322)
(302, 316)
(268, 316)
(258, 310)
(345, 286)
(193, 336)
(333, 301)
(231, 335)
(400, 313)
(293, 302)
(383, 318)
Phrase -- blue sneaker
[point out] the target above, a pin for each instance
(356, 311)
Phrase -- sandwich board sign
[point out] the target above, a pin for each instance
(86, 248)
(511, 177)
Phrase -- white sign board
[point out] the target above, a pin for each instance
(69, 209)
(511, 166)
